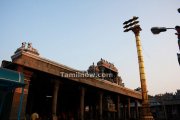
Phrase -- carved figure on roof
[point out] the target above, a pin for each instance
(23, 45)
(29, 48)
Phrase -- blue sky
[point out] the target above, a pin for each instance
(77, 33)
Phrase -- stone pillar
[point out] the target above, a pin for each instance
(91, 112)
(54, 99)
(100, 105)
(136, 109)
(129, 108)
(118, 108)
(124, 111)
(82, 95)
(17, 94)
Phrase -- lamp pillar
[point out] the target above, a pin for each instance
(145, 113)
(131, 25)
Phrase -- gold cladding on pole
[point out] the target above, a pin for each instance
(145, 113)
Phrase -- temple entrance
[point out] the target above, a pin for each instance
(71, 104)
(40, 97)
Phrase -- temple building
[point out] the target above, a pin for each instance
(107, 71)
(166, 106)
(58, 92)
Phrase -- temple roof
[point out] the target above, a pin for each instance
(27, 48)
(107, 65)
